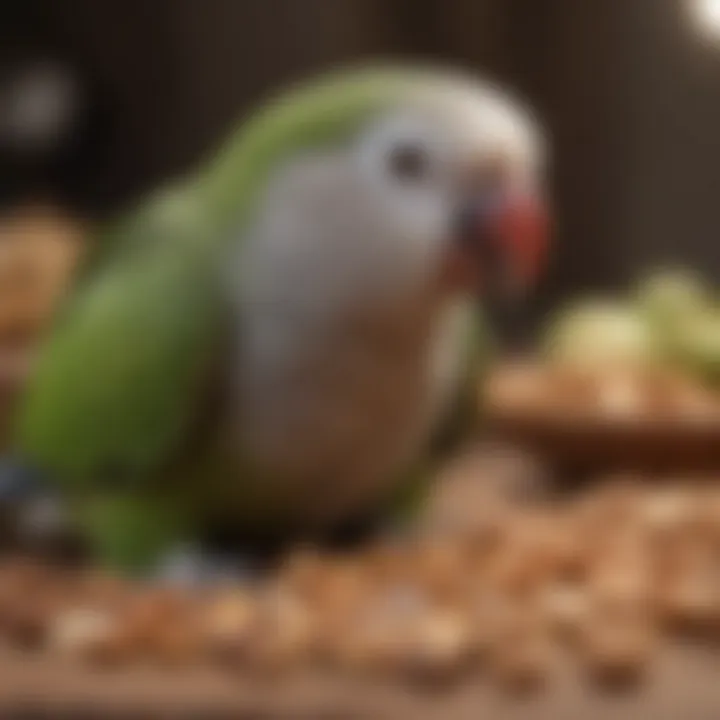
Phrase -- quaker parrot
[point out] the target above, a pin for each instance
(271, 344)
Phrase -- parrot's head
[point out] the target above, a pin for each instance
(427, 170)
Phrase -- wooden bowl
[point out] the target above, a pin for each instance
(620, 421)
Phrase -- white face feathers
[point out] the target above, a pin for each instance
(375, 216)
(421, 159)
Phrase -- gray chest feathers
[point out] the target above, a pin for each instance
(346, 357)
(341, 411)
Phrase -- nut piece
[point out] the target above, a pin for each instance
(441, 570)
(303, 571)
(516, 570)
(89, 635)
(617, 654)
(106, 591)
(39, 251)
(438, 650)
(26, 623)
(566, 609)
(376, 637)
(226, 627)
(177, 644)
(667, 513)
(620, 396)
(30, 595)
(689, 600)
(519, 387)
(523, 665)
(284, 634)
(153, 622)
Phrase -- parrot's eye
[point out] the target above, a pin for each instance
(408, 162)
(407, 154)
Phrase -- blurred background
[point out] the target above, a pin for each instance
(628, 91)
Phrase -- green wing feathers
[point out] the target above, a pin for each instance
(121, 376)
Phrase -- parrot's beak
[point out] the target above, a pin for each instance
(502, 241)
(498, 252)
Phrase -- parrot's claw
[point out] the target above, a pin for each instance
(192, 565)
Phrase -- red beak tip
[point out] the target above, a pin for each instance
(524, 229)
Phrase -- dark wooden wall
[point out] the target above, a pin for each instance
(631, 98)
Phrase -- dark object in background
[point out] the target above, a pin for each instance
(56, 122)
(41, 105)
(53, 130)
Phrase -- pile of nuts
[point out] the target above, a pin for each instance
(599, 578)
(39, 249)
(617, 393)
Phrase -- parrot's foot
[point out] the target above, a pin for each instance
(195, 565)
(34, 518)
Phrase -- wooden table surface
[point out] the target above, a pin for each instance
(683, 684)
